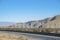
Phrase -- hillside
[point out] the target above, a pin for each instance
(53, 22)
(50, 25)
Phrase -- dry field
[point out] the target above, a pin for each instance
(12, 37)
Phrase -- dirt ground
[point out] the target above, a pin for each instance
(11, 37)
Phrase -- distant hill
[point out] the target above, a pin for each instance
(6, 23)
(52, 22)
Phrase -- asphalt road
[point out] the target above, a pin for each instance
(32, 36)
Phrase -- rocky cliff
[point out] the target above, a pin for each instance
(53, 22)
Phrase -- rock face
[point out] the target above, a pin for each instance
(53, 22)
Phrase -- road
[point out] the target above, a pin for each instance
(32, 36)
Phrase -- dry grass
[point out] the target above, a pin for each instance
(11, 37)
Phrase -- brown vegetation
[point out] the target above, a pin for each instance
(10, 37)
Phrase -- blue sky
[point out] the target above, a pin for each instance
(27, 10)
